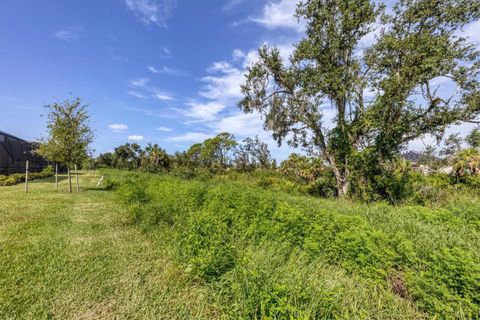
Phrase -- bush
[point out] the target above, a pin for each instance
(133, 191)
(450, 284)
(20, 177)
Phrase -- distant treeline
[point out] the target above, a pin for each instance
(216, 154)
(394, 180)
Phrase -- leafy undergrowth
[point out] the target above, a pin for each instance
(270, 254)
(232, 250)
(16, 178)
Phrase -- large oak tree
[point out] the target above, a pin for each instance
(384, 96)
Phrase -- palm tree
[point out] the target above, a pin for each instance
(467, 162)
(156, 158)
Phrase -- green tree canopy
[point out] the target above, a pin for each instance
(252, 154)
(69, 134)
(384, 96)
(473, 138)
(452, 145)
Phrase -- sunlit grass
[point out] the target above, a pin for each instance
(72, 256)
(161, 247)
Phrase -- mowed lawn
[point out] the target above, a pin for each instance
(75, 256)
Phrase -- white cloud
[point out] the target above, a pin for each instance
(225, 84)
(140, 82)
(167, 71)
(240, 124)
(280, 15)
(238, 54)
(66, 35)
(118, 127)
(164, 129)
(152, 11)
(204, 111)
(472, 31)
(190, 137)
(137, 94)
(135, 138)
(163, 96)
(221, 66)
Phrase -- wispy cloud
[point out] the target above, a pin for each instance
(140, 82)
(150, 12)
(232, 3)
(69, 35)
(137, 94)
(135, 138)
(280, 15)
(163, 96)
(112, 53)
(203, 111)
(164, 129)
(148, 91)
(224, 82)
(118, 127)
(472, 31)
(165, 53)
(166, 71)
(165, 114)
(238, 55)
(239, 124)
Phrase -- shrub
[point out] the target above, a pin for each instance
(207, 246)
(20, 177)
(450, 284)
(133, 191)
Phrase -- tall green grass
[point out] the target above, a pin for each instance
(266, 253)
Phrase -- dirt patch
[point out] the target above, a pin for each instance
(397, 285)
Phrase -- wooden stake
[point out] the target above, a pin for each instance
(76, 177)
(69, 180)
(99, 181)
(56, 176)
(26, 177)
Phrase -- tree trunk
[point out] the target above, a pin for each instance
(69, 180)
(343, 185)
(341, 178)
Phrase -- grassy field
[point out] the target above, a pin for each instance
(159, 247)
(69, 256)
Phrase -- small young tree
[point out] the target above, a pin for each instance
(69, 134)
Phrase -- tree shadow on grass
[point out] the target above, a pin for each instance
(49, 179)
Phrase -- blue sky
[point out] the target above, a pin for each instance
(161, 71)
